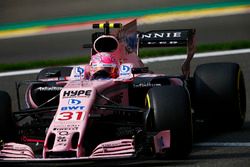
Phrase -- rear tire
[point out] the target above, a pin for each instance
(8, 131)
(219, 95)
(170, 110)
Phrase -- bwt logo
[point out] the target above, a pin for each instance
(79, 70)
(125, 69)
(72, 108)
(74, 102)
(77, 93)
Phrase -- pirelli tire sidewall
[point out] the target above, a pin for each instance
(170, 110)
(219, 95)
(8, 131)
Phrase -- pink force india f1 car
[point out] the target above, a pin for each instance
(115, 107)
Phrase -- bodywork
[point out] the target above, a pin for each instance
(75, 116)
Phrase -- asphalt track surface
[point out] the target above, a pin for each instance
(29, 10)
(207, 156)
(66, 45)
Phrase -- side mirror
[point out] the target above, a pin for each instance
(51, 74)
(140, 70)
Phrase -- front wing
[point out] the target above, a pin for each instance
(117, 149)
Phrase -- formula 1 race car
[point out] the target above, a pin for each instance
(115, 107)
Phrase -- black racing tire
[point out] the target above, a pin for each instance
(220, 95)
(63, 72)
(170, 110)
(8, 132)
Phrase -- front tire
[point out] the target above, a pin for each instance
(8, 131)
(170, 110)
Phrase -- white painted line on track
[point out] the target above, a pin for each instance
(148, 60)
(223, 144)
(197, 55)
(23, 72)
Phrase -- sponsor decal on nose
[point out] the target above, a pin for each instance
(74, 101)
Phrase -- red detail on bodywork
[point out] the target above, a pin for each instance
(29, 140)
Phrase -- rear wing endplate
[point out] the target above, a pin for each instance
(166, 38)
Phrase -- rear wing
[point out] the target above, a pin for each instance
(166, 38)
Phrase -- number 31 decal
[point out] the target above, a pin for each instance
(70, 116)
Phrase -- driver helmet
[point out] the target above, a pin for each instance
(103, 65)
